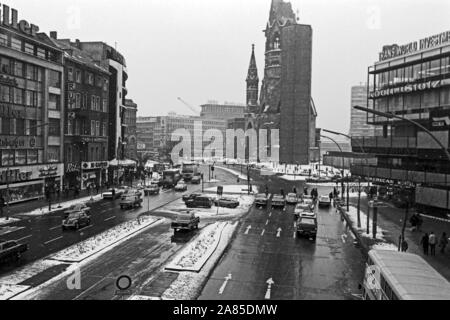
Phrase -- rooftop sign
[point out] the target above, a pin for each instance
(9, 18)
(395, 50)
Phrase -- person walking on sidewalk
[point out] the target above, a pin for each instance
(443, 242)
(424, 243)
(404, 245)
(432, 241)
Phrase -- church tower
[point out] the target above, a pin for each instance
(252, 85)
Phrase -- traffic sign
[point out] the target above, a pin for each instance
(219, 190)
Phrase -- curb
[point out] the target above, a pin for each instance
(343, 213)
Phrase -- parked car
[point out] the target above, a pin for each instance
(10, 249)
(130, 201)
(79, 207)
(130, 191)
(324, 201)
(261, 199)
(300, 208)
(187, 197)
(292, 198)
(226, 203)
(151, 189)
(181, 186)
(76, 220)
(196, 179)
(278, 201)
(199, 202)
(307, 226)
(185, 222)
(109, 193)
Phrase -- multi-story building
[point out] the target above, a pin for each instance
(31, 110)
(148, 133)
(130, 129)
(358, 119)
(86, 116)
(215, 110)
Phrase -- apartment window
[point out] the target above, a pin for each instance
(104, 129)
(54, 127)
(92, 102)
(20, 127)
(105, 105)
(89, 78)
(85, 101)
(40, 52)
(7, 158)
(97, 128)
(3, 39)
(70, 127)
(77, 100)
(29, 48)
(16, 44)
(54, 102)
(77, 127)
(97, 103)
(32, 72)
(92, 127)
(5, 66)
(5, 94)
(18, 69)
(97, 154)
(92, 153)
(54, 79)
(105, 85)
(70, 74)
(18, 95)
(78, 76)
(99, 82)
(6, 124)
(21, 157)
(445, 65)
(32, 156)
(32, 129)
(53, 154)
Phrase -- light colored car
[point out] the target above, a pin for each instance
(109, 193)
(79, 207)
(76, 220)
(181, 186)
(292, 198)
(278, 201)
(324, 201)
(302, 208)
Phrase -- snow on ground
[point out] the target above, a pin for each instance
(9, 290)
(245, 202)
(353, 217)
(64, 205)
(235, 172)
(242, 189)
(198, 251)
(385, 246)
(291, 177)
(189, 284)
(28, 271)
(3, 221)
(90, 246)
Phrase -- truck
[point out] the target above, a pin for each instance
(188, 171)
(187, 221)
(307, 226)
(11, 250)
(130, 201)
(170, 178)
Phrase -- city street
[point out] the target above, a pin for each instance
(266, 247)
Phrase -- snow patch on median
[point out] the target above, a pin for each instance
(196, 253)
(28, 271)
(64, 205)
(9, 290)
(241, 189)
(3, 221)
(90, 246)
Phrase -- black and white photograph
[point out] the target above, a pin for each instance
(224, 157)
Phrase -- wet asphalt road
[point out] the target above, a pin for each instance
(330, 268)
(44, 234)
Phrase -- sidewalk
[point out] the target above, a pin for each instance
(390, 221)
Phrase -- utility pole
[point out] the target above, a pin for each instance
(368, 213)
(248, 180)
(358, 212)
(347, 194)
(374, 222)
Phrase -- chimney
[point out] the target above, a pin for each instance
(54, 35)
(77, 43)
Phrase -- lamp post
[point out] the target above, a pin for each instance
(343, 165)
(7, 176)
(416, 124)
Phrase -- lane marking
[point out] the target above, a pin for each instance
(248, 229)
(343, 238)
(267, 222)
(25, 237)
(269, 282)
(222, 288)
(57, 227)
(110, 218)
(50, 241)
(270, 213)
(262, 233)
(87, 227)
(95, 284)
(8, 230)
(295, 235)
(279, 232)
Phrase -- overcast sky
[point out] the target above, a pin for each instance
(200, 49)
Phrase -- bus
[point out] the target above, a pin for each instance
(188, 170)
(393, 275)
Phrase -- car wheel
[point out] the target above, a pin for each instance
(77, 226)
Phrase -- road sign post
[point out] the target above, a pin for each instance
(374, 222)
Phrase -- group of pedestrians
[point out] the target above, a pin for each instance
(429, 242)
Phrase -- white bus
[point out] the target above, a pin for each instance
(393, 275)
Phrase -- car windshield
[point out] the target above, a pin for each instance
(324, 198)
(308, 221)
(292, 195)
(74, 215)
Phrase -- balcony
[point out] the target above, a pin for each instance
(394, 174)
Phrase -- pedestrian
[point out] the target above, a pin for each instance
(267, 191)
(294, 190)
(424, 243)
(443, 242)
(404, 245)
(305, 191)
(66, 191)
(88, 188)
(97, 187)
(432, 241)
(419, 222)
(282, 192)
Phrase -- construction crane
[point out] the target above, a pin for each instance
(194, 110)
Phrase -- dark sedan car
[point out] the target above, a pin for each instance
(226, 203)
(187, 197)
(196, 179)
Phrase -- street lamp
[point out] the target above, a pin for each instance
(416, 124)
(7, 177)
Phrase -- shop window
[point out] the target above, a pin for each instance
(21, 157)
(54, 127)
(54, 102)
(7, 158)
(16, 44)
(416, 72)
(54, 79)
(430, 99)
(53, 154)
(78, 76)
(445, 96)
(435, 68)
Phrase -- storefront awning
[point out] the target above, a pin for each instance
(122, 163)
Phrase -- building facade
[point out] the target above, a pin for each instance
(227, 110)
(86, 117)
(130, 137)
(358, 119)
(31, 110)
